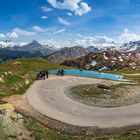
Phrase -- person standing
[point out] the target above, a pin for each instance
(62, 72)
(46, 73)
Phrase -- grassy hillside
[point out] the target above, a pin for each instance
(7, 54)
(16, 75)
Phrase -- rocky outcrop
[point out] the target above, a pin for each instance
(12, 123)
(8, 126)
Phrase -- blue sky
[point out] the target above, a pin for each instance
(68, 20)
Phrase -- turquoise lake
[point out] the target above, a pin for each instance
(92, 74)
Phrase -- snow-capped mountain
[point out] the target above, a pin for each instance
(98, 45)
(25, 46)
(32, 47)
(6, 43)
(131, 46)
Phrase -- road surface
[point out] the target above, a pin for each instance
(48, 98)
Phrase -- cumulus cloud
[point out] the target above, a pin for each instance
(2, 36)
(46, 9)
(126, 36)
(44, 17)
(22, 32)
(59, 31)
(12, 35)
(63, 21)
(84, 8)
(76, 6)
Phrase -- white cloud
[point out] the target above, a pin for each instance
(126, 30)
(2, 36)
(126, 36)
(44, 17)
(79, 35)
(12, 35)
(76, 6)
(22, 32)
(46, 9)
(55, 43)
(59, 31)
(39, 29)
(84, 8)
(63, 21)
(97, 41)
(69, 14)
(5, 44)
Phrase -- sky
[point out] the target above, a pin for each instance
(69, 22)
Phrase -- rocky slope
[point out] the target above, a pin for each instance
(105, 60)
(66, 54)
(92, 49)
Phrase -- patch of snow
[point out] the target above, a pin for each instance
(103, 68)
(114, 58)
(106, 58)
(113, 61)
(120, 59)
(93, 63)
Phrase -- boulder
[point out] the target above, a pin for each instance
(27, 82)
(103, 86)
(7, 127)
(17, 63)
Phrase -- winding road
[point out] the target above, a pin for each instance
(48, 98)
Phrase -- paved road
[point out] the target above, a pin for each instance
(48, 98)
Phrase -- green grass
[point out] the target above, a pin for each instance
(127, 74)
(92, 90)
(125, 71)
(11, 79)
(15, 83)
(89, 90)
(114, 96)
(27, 65)
(42, 133)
